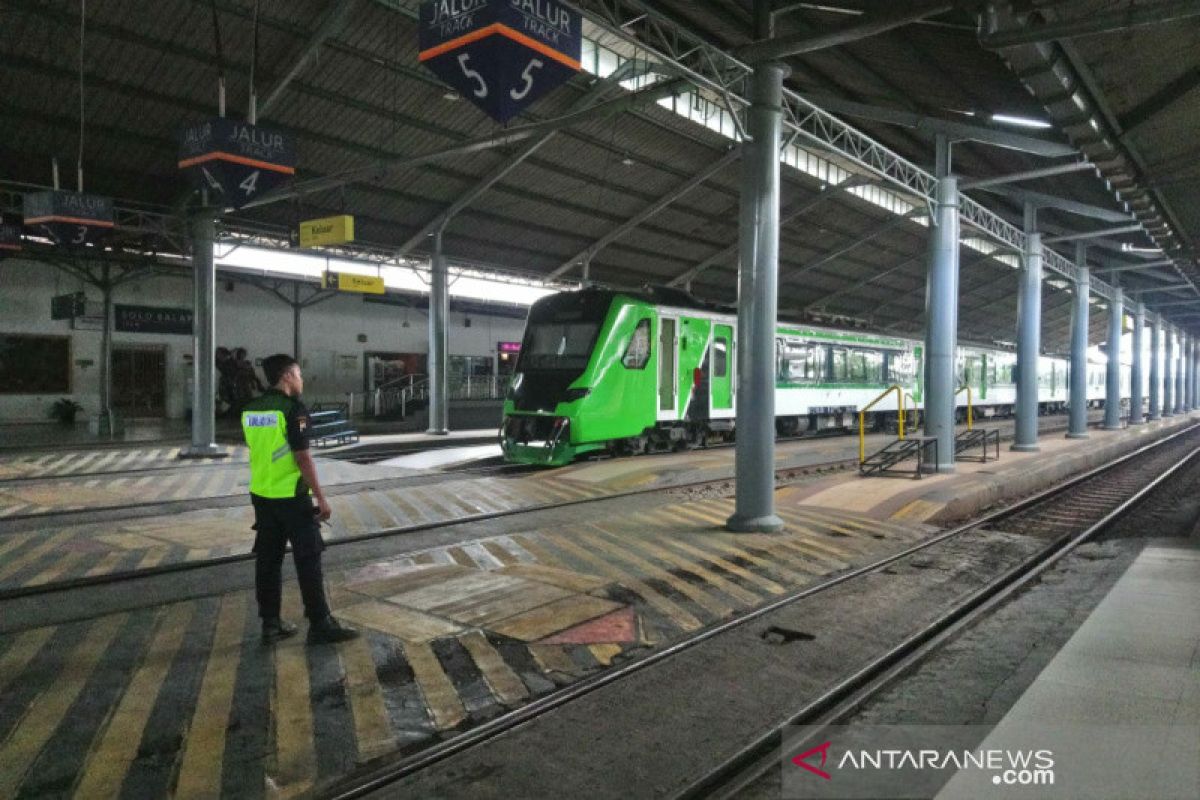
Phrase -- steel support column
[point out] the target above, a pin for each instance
(1137, 372)
(941, 326)
(1168, 409)
(1180, 363)
(1155, 368)
(1112, 383)
(296, 320)
(439, 307)
(1029, 334)
(204, 440)
(1078, 427)
(758, 278)
(1195, 384)
(105, 424)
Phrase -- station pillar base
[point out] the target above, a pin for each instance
(1077, 435)
(1025, 448)
(765, 524)
(438, 432)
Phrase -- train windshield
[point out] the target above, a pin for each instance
(558, 345)
(562, 331)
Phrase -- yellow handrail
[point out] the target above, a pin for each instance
(970, 414)
(862, 415)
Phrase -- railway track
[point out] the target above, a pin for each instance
(1065, 516)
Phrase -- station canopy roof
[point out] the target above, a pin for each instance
(344, 78)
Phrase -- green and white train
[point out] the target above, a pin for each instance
(630, 373)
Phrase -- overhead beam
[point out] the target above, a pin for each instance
(588, 99)
(897, 15)
(1098, 234)
(1028, 175)
(1163, 262)
(789, 215)
(1043, 200)
(585, 255)
(1160, 101)
(331, 25)
(959, 131)
(880, 230)
(1171, 288)
(386, 166)
(1131, 16)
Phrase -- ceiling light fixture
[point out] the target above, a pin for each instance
(1021, 122)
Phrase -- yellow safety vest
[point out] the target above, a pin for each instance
(273, 470)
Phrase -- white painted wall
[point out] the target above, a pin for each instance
(246, 317)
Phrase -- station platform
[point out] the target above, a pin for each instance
(1125, 689)
(162, 687)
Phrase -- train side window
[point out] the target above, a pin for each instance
(720, 357)
(841, 365)
(637, 354)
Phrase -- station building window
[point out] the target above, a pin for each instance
(35, 364)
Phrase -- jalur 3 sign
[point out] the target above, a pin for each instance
(235, 161)
(502, 55)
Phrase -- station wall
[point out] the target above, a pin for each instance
(332, 357)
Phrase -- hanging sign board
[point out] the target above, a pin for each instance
(349, 282)
(10, 235)
(236, 162)
(327, 231)
(152, 319)
(67, 306)
(70, 218)
(502, 55)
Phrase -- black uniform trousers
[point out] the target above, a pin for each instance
(278, 523)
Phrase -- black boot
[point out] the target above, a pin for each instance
(330, 631)
(275, 629)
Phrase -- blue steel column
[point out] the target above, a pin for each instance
(941, 317)
(1189, 380)
(1168, 409)
(758, 277)
(1136, 373)
(439, 306)
(1180, 376)
(1029, 334)
(1077, 428)
(1112, 384)
(1155, 368)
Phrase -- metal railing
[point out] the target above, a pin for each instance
(862, 416)
(397, 397)
(970, 413)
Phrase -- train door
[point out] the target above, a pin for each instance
(722, 368)
(667, 373)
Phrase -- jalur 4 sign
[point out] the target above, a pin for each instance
(69, 218)
(235, 161)
(502, 55)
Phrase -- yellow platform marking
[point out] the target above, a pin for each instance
(46, 712)
(403, 623)
(204, 745)
(650, 547)
(778, 547)
(553, 658)
(503, 556)
(849, 541)
(564, 579)
(110, 759)
(370, 502)
(918, 510)
(679, 543)
(682, 618)
(127, 540)
(372, 730)
(31, 556)
(785, 573)
(106, 565)
(414, 514)
(713, 605)
(500, 678)
(153, 557)
(409, 579)
(295, 767)
(21, 652)
(553, 617)
(61, 567)
(703, 515)
(11, 543)
(445, 707)
(461, 557)
(605, 653)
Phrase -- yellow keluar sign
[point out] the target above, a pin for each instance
(348, 282)
(327, 231)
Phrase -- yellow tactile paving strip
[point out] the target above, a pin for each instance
(179, 695)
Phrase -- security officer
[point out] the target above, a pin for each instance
(282, 476)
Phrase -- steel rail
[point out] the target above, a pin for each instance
(353, 788)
